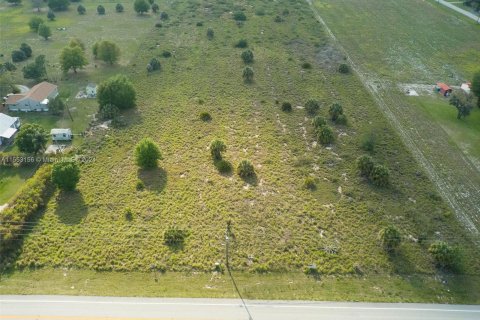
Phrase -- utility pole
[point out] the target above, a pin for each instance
(68, 109)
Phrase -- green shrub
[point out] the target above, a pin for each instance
(306, 65)
(368, 142)
(312, 106)
(344, 68)
(147, 153)
(50, 15)
(245, 169)
(175, 236)
(100, 9)
(309, 183)
(216, 149)
(341, 119)
(26, 49)
(286, 107)
(444, 255)
(66, 175)
(140, 185)
(128, 214)
(318, 122)
(390, 238)
(117, 90)
(164, 16)
(325, 135)
(119, 7)
(239, 16)
(26, 202)
(18, 56)
(335, 111)
(247, 56)
(34, 23)
(223, 166)
(380, 176)
(248, 74)
(205, 116)
(81, 9)
(365, 165)
(241, 44)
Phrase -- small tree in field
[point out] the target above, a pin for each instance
(216, 149)
(247, 56)
(325, 135)
(155, 8)
(390, 238)
(463, 102)
(75, 42)
(81, 9)
(26, 49)
(141, 6)
(245, 169)
(380, 175)
(44, 31)
(34, 23)
(72, 58)
(318, 122)
(286, 107)
(51, 15)
(108, 51)
(365, 165)
(119, 7)
(147, 154)
(101, 10)
(248, 74)
(66, 175)
(36, 70)
(312, 106)
(117, 90)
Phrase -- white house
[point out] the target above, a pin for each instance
(8, 128)
(61, 134)
(91, 90)
(36, 99)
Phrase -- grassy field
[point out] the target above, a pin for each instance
(279, 226)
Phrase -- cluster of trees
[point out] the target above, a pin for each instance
(153, 65)
(245, 168)
(336, 114)
(107, 51)
(323, 132)
(36, 70)
(37, 25)
(23, 53)
(378, 174)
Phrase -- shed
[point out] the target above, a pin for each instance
(466, 87)
(61, 134)
(444, 89)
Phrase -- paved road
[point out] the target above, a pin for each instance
(66, 307)
(459, 10)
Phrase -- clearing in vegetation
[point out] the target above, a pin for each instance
(119, 215)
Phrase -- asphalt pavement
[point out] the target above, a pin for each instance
(95, 308)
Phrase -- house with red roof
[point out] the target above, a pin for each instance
(36, 99)
(444, 89)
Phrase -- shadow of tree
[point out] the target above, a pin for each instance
(251, 180)
(401, 262)
(71, 208)
(224, 167)
(154, 179)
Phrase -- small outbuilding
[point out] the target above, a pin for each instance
(443, 89)
(91, 90)
(466, 87)
(61, 134)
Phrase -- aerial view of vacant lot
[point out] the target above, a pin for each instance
(303, 149)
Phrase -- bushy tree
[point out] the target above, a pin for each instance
(318, 122)
(247, 56)
(108, 51)
(81, 9)
(325, 135)
(147, 153)
(335, 111)
(476, 85)
(153, 65)
(216, 149)
(463, 102)
(109, 112)
(312, 106)
(380, 175)
(58, 5)
(34, 23)
(44, 31)
(205, 116)
(210, 33)
(56, 106)
(119, 7)
(245, 169)
(26, 49)
(155, 8)
(75, 42)
(239, 16)
(117, 90)
(35, 70)
(445, 256)
(248, 74)
(141, 6)
(31, 138)
(66, 175)
(18, 56)
(365, 165)
(72, 58)
(50, 15)
(100, 10)
(390, 238)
